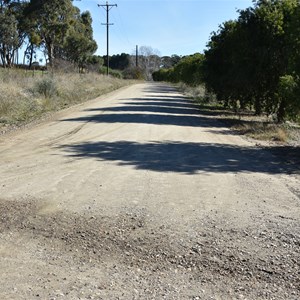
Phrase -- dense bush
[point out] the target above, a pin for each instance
(254, 61)
(113, 73)
(188, 70)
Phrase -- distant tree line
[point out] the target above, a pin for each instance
(134, 67)
(55, 27)
(251, 62)
(187, 69)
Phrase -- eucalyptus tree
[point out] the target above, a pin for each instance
(12, 34)
(50, 22)
(79, 45)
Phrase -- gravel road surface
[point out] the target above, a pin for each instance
(137, 195)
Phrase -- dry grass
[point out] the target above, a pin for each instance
(262, 131)
(24, 97)
(261, 127)
(198, 93)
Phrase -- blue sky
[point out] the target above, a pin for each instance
(171, 26)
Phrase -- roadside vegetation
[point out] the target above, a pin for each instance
(25, 98)
(243, 121)
(250, 68)
(48, 61)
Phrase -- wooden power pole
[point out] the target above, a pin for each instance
(107, 7)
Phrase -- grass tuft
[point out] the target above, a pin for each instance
(259, 130)
(46, 87)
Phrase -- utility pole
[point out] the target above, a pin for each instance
(107, 7)
(137, 56)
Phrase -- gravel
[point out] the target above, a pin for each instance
(136, 255)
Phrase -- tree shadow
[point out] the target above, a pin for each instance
(160, 89)
(187, 158)
(161, 108)
(164, 104)
(150, 110)
(164, 99)
(150, 119)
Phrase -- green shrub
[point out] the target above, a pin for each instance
(46, 87)
(113, 73)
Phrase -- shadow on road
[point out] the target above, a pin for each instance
(152, 110)
(188, 158)
(159, 108)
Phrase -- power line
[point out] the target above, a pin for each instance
(107, 7)
(119, 32)
(123, 29)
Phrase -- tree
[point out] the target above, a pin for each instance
(52, 21)
(11, 35)
(119, 61)
(168, 62)
(247, 60)
(189, 70)
(148, 61)
(79, 44)
(59, 27)
(8, 37)
(288, 97)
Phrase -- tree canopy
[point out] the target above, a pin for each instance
(56, 27)
(188, 69)
(253, 61)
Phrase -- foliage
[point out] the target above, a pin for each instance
(56, 27)
(113, 73)
(118, 62)
(188, 70)
(9, 35)
(94, 63)
(51, 21)
(46, 87)
(254, 60)
(288, 97)
(168, 62)
(79, 45)
(163, 75)
(133, 73)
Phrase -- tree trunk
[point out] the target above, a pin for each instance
(257, 106)
(31, 56)
(50, 50)
(281, 111)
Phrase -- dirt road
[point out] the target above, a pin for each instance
(136, 195)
